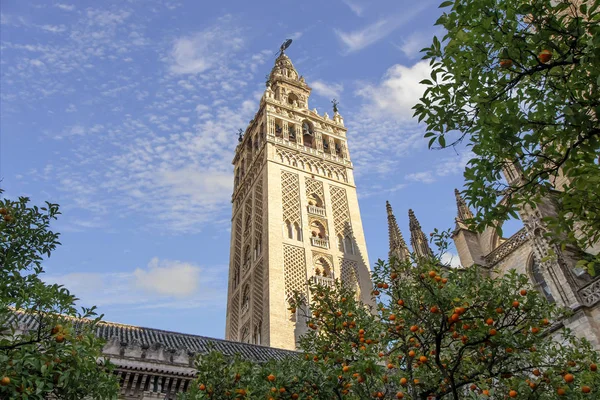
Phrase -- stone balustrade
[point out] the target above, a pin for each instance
(507, 247)
(316, 210)
(323, 280)
(590, 294)
(318, 242)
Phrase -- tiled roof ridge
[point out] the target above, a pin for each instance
(167, 332)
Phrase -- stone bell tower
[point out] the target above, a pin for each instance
(295, 213)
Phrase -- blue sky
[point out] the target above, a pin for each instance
(126, 112)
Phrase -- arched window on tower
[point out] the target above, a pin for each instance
(293, 99)
(245, 299)
(289, 231)
(297, 231)
(340, 241)
(247, 258)
(348, 245)
(257, 247)
(323, 268)
(538, 279)
(307, 134)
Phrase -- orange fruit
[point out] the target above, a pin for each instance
(390, 366)
(506, 63)
(400, 302)
(59, 338)
(513, 393)
(586, 389)
(399, 395)
(535, 330)
(489, 321)
(485, 392)
(432, 274)
(346, 368)
(493, 332)
(5, 381)
(523, 292)
(593, 367)
(515, 304)
(545, 56)
(414, 328)
(536, 372)
(423, 359)
(411, 353)
(56, 329)
(499, 310)
(271, 378)
(403, 381)
(202, 387)
(392, 317)
(569, 378)
(561, 391)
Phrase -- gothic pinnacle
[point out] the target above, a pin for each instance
(418, 240)
(464, 212)
(398, 248)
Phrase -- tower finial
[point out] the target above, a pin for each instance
(418, 240)
(398, 248)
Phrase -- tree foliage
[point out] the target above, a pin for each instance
(520, 81)
(50, 353)
(435, 331)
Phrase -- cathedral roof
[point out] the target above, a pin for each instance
(149, 337)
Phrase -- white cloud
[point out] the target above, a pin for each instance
(451, 259)
(329, 90)
(65, 7)
(354, 6)
(412, 44)
(422, 177)
(455, 164)
(204, 50)
(398, 91)
(180, 284)
(171, 278)
(374, 32)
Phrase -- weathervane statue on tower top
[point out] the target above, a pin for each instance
(284, 46)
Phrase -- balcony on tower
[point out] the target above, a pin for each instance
(319, 242)
(316, 210)
(322, 280)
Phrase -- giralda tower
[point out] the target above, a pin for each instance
(295, 213)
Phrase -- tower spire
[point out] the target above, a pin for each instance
(418, 240)
(464, 212)
(398, 247)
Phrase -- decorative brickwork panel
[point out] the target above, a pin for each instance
(237, 258)
(258, 216)
(294, 264)
(234, 314)
(257, 297)
(245, 333)
(590, 294)
(248, 218)
(508, 247)
(314, 187)
(312, 164)
(349, 273)
(290, 193)
(341, 213)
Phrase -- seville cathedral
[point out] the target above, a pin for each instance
(295, 217)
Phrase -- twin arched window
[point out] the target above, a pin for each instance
(293, 231)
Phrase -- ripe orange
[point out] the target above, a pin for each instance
(433, 309)
(513, 393)
(295, 396)
(455, 317)
(399, 395)
(271, 378)
(361, 331)
(569, 378)
(380, 285)
(545, 321)
(400, 302)
(390, 366)
(346, 368)
(423, 359)
(536, 372)
(523, 292)
(545, 56)
(202, 387)
(515, 304)
(493, 332)
(432, 274)
(381, 354)
(499, 310)
(5, 381)
(586, 389)
(385, 286)
(485, 392)
(473, 387)
(561, 391)
(403, 381)
(535, 329)
(593, 367)
(414, 328)
(411, 353)
(59, 338)
(392, 317)
(56, 329)
(506, 63)
(281, 390)
(375, 292)
(444, 280)
(489, 321)
(416, 381)
(393, 275)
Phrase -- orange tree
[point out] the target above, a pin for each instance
(519, 80)
(43, 353)
(434, 332)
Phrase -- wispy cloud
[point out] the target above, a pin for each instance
(198, 52)
(354, 6)
(328, 90)
(422, 177)
(374, 32)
